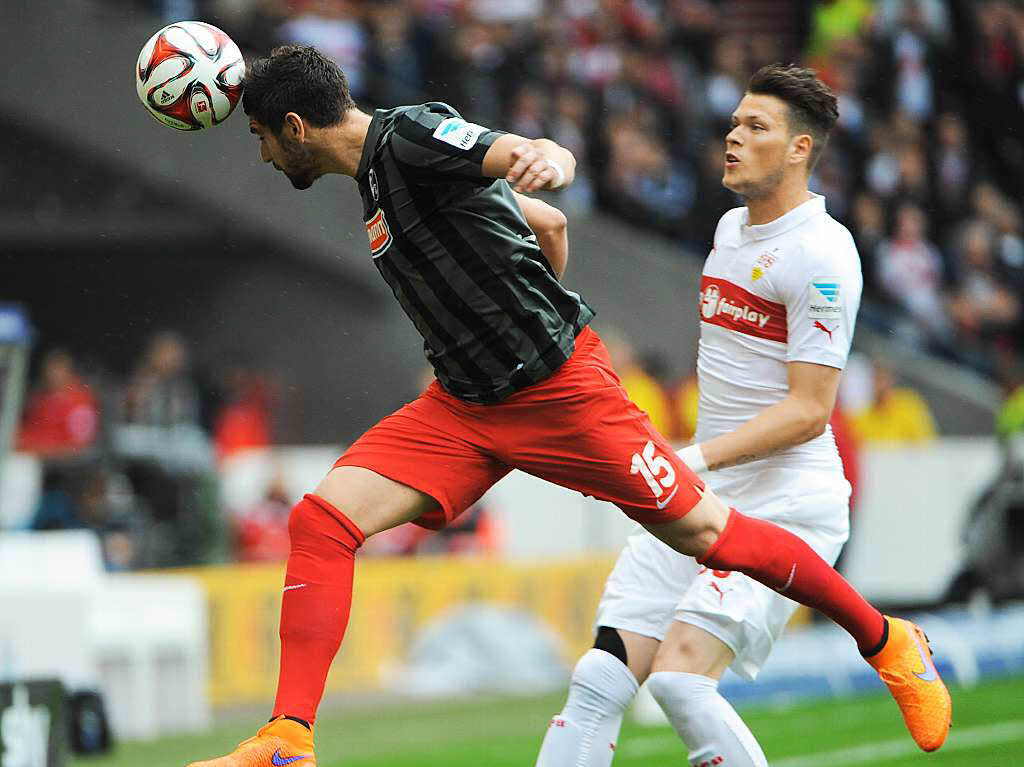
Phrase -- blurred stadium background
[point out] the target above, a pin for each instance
(186, 344)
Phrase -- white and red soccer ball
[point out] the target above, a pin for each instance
(189, 75)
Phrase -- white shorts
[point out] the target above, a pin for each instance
(653, 585)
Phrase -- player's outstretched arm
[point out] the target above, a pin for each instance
(797, 418)
(530, 165)
(551, 228)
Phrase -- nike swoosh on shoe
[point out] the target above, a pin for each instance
(930, 674)
(280, 761)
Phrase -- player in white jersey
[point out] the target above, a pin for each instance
(778, 300)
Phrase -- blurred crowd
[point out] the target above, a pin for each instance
(147, 460)
(134, 458)
(926, 166)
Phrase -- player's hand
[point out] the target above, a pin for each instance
(531, 170)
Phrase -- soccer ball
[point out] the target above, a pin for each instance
(189, 75)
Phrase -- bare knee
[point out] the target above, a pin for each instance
(683, 654)
(692, 650)
(696, 532)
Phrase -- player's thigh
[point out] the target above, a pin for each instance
(724, 619)
(744, 615)
(421, 463)
(694, 650)
(590, 437)
(372, 501)
(641, 595)
(640, 653)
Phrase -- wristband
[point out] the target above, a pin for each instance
(693, 457)
(559, 178)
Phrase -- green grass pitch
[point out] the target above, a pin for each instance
(988, 730)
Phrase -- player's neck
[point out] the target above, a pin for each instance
(781, 200)
(345, 144)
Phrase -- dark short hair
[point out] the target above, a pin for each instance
(295, 78)
(812, 104)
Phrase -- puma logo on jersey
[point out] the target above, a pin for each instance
(379, 234)
(721, 592)
(827, 331)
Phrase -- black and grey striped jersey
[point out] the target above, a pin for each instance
(459, 255)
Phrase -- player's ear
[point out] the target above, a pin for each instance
(800, 148)
(294, 128)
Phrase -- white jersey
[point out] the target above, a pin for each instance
(781, 292)
(770, 294)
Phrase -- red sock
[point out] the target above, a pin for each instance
(782, 561)
(315, 604)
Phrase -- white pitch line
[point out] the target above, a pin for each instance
(867, 753)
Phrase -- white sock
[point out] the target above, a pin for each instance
(711, 729)
(585, 733)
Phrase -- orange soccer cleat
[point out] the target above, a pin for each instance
(279, 743)
(905, 665)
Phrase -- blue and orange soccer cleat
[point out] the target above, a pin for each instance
(905, 665)
(279, 743)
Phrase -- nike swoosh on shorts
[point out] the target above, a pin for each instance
(667, 501)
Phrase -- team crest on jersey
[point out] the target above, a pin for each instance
(374, 188)
(379, 234)
(761, 265)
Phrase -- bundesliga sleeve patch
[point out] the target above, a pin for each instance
(825, 298)
(459, 133)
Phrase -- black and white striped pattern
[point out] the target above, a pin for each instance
(462, 261)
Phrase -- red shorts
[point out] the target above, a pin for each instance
(577, 428)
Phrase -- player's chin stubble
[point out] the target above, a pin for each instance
(301, 166)
(754, 189)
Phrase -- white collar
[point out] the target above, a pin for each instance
(805, 210)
